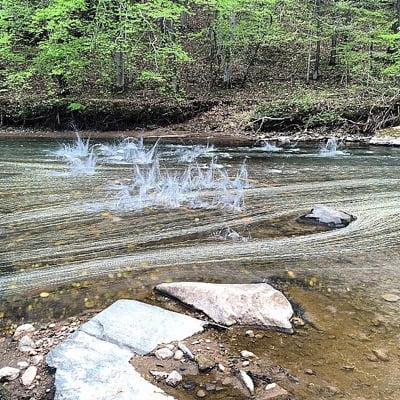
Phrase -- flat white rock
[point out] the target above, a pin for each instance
(140, 327)
(93, 363)
(9, 373)
(257, 304)
(29, 376)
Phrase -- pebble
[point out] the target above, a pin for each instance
(22, 330)
(390, 297)
(245, 363)
(186, 351)
(188, 385)
(210, 387)
(247, 381)
(36, 360)
(159, 375)
(164, 353)
(247, 354)
(227, 381)
(309, 371)
(23, 364)
(273, 390)
(298, 322)
(250, 333)
(201, 393)
(381, 354)
(26, 341)
(178, 355)
(26, 345)
(9, 373)
(221, 367)
(173, 379)
(204, 362)
(29, 376)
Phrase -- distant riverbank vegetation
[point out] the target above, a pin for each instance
(141, 60)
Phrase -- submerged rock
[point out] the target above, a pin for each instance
(256, 304)
(204, 362)
(324, 215)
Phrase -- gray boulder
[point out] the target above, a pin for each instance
(244, 304)
(324, 215)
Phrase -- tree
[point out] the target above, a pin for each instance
(237, 31)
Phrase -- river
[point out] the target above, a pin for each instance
(73, 240)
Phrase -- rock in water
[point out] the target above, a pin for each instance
(256, 304)
(328, 216)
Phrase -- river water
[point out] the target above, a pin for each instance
(79, 236)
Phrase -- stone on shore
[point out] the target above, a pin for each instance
(8, 373)
(23, 330)
(93, 363)
(256, 304)
(29, 376)
(139, 326)
(324, 215)
(386, 137)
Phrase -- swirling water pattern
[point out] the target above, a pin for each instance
(57, 229)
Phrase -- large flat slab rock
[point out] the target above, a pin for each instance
(140, 327)
(90, 368)
(93, 363)
(256, 304)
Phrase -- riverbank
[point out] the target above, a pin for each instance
(258, 112)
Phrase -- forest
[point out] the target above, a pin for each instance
(128, 62)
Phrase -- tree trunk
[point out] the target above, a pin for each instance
(333, 53)
(228, 56)
(334, 40)
(316, 73)
(120, 70)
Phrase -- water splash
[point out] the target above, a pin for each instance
(77, 149)
(82, 165)
(195, 187)
(191, 154)
(79, 156)
(128, 150)
(228, 233)
(269, 147)
(331, 148)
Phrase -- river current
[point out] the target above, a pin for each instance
(73, 240)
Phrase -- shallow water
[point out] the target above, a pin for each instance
(67, 247)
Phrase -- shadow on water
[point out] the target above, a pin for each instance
(73, 242)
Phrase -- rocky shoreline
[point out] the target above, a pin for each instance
(204, 365)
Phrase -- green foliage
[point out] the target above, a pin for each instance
(75, 46)
(76, 107)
